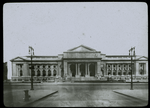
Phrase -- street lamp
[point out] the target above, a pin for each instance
(31, 51)
(130, 54)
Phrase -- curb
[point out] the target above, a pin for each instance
(69, 83)
(38, 99)
(129, 96)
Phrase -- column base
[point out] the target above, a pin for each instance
(87, 76)
(77, 76)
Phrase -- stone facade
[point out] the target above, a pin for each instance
(78, 62)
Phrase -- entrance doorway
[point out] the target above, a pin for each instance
(92, 69)
(73, 69)
(82, 69)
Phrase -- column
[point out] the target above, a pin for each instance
(25, 69)
(136, 69)
(85, 69)
(35, 72)
(14, 70)
(77, 68)
(129, 68)
(117, 69)
(59, 68)
(88, 69)
(122, 69)
(68, 69)
(65, 67)
(146, 68)
(17, 70)
(106, 69)
(95, 68)
(52, 69)
(99, 67)
(57, 72)
(111, 69)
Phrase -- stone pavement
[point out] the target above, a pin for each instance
(138, 94)
(14, 98)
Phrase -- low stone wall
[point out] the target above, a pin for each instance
(35, 78)
(104, 78)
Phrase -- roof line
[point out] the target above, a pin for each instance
(82, 46)
(41, 56)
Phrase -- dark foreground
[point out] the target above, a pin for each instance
(85, 95)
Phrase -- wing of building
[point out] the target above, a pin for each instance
(79, 62)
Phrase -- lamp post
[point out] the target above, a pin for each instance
(131, 53)
(31, 51)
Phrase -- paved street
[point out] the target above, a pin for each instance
(86, 95)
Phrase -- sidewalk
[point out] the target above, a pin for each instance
(14, 98)
(138, 94)
(70, 83)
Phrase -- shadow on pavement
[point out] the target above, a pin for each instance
(7, 95)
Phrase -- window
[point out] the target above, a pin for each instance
(38, 73)
(33, 73)
(49, 72)
(129, 73)
(124, 73)
(44, 73)
(114, 73)
(119, 73)
(54, 72)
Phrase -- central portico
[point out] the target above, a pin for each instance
(82, 61)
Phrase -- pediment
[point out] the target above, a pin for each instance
(17, 59)
(82, 48)
(142, 58)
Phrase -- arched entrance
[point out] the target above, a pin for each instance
(73, 69)
(92, 69)
(82, 69)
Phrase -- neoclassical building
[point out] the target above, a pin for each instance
(81, 62)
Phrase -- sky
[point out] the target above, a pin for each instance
(53, 28)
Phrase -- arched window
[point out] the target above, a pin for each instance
(38, 73)
(44, 72)
(33, 73)
(49, 72)
(54, 72)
